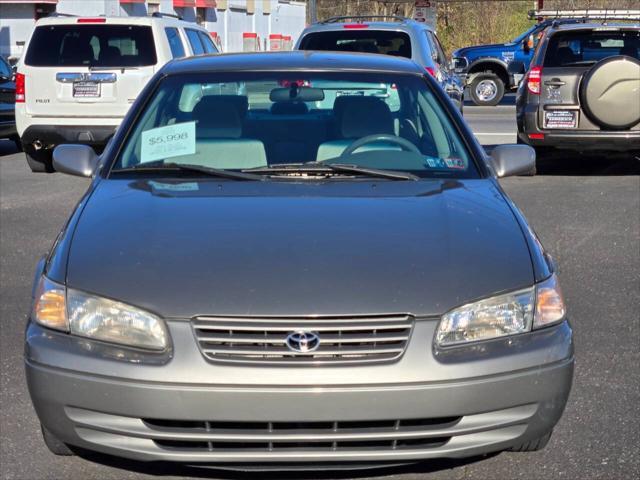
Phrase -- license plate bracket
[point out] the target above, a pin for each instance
(561, 119)
(86, 89)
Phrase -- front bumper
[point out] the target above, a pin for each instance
(183, 418)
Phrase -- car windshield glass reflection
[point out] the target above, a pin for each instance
(304, 126)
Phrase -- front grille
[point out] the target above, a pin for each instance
(214, 436)
(341, 340)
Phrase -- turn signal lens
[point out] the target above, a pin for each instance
(550, 307)
(49, 306)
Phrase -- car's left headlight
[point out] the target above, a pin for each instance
(98, 318)
(508, 314)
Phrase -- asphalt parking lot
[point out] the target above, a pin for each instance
(587, 213)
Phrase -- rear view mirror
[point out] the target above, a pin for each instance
(296, 94)
(78, 160)
(516, 68)
(509, 160)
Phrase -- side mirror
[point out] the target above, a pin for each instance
(509, 160)
(458, 63)
(529, 43)
(78, 160)
(516, 68)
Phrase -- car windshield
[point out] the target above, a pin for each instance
(586, 47)
(525, 34)
(253, 122)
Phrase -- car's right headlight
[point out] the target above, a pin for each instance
(509, 314)
(91, 316)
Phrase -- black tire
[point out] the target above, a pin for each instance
(54, 444)
(491, 85)
(533, 445)
(40, 161)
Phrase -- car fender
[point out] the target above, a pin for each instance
(493, 61)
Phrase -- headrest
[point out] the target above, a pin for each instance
(240, 102)
(217, 118)
(362, 116)
(565, 55)
(289, 108)
(296, 94)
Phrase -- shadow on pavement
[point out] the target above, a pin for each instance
(310, 471)
(568, 163)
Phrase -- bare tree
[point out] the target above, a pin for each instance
(467, 22)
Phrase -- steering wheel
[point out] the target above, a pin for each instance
(380, 137)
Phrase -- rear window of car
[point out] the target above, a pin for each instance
(91, 45)
(366, 41)
(586, 47)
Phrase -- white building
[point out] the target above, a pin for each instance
(236, 24)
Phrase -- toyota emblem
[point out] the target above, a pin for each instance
(303, 342)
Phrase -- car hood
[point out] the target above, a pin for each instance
(182, 249)
(491, 50)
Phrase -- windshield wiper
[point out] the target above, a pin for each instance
(187, 167)
(331, 168)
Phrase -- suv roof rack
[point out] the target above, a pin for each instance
(586, 14)
(162, 14)
(362, 18)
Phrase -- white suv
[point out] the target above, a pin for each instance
(79, 76)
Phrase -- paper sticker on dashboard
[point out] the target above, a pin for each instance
(170, 141)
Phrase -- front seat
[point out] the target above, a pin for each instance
(358, 117)
(218, 134)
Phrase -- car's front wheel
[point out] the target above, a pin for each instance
(54, 444)
(486, 89)
(40, 161)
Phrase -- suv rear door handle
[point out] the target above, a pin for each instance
(555, 82)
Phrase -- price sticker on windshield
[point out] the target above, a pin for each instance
(170, 141)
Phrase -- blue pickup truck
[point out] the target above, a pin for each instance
(483, 68)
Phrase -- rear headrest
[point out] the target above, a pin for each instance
(565, 55)
(289, 108)
(361, 116)
(241, 102)
(217, 118)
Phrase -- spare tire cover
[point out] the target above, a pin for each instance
(611, 92)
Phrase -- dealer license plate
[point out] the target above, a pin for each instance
(86, 89)
(560, 119)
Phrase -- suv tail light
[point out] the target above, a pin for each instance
(534, 80)
(20, 88)
(431, 71)
(355, 26)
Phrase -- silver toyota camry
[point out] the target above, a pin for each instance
(264, 278)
